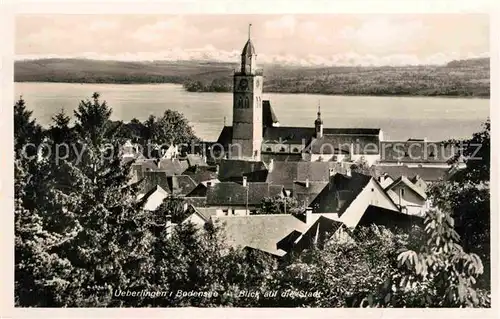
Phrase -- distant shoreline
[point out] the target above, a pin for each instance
(273, 92)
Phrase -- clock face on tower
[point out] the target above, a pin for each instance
(243, 85)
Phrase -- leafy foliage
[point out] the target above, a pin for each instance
(281, 205)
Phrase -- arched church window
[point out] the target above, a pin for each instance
(269, 149)
(282, 149)
(246, 105)
(239, 102)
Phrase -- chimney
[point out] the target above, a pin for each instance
(307, 182)
(308, 215)
(271, 165)
(244, 181)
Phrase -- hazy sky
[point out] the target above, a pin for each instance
(306, 39)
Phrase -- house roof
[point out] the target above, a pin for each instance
(416, 151)
(286, 173)
(172, 166)
(194, 159)
(341, 144)
(403, 180)
(255, 171)
(341, 191)
(205, 212)
(261, 232)
(153, 198)
(235, 194)
(306, 195)
(147, 164)
(179, 185)
(299, 135)
(201, 173)
(428, 174)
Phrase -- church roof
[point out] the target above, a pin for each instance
(268, 116)
(248, 49)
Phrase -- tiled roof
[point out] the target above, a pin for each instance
(341, 144)
(181, 185)
(261, 232)
(286, 173)
(319, 232)
(206, 212)
(194, 159)
(410, 185)
(172, 166)
(234, 194)
(201, 173)
(428, 174)
(341, 191)
(235, 169)
(153, 179)
(147, 164)
(178, 185)
(306, 195)
(416, 151)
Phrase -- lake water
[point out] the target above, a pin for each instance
(398, 117)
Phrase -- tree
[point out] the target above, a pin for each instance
(438, 274)
(172, 127)
(281, 205)
(26, 130)
(476, 152)
(363, 167)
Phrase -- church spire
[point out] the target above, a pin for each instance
(318, 123)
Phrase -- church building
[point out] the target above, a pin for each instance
(256, 134)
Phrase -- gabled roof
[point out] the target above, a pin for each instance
(205, 212)
(235, 194)
(178, 185)
(416, 151)
(201, 173)
(266, 157)
(428, 174)
(147, 164)
(235, 169)
(172, 166)
(262, 232)
(403, 180)
(306, 195)
(341, 191)
(153, 198)
(194, 159)
(286, 173)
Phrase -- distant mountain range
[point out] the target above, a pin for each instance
(457, 78)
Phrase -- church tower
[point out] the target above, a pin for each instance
(247, 106)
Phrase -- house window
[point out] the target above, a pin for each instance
(402, 192)
(373, 189)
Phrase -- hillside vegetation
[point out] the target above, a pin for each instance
(457, 78)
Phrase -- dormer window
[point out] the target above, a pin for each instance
(295, 150)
